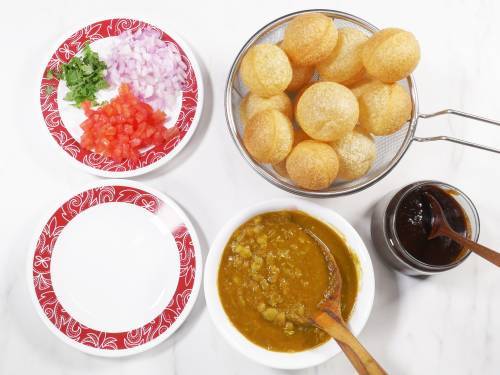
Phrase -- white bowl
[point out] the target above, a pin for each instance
(307, 358)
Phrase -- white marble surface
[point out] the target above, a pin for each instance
(448, 324)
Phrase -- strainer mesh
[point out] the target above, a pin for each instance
(389, 147)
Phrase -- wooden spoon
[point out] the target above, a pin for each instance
(441, 227)
(330, 320)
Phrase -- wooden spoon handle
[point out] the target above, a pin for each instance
(362, 361)
(483, 251)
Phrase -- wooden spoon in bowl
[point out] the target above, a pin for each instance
(329, 319)
(441, 227)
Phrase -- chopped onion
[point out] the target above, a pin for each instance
(153, 68)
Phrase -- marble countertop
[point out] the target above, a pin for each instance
(446, 324)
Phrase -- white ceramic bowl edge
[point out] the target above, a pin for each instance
(309, 358)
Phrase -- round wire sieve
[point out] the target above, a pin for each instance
(390, 149)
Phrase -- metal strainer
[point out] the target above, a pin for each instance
(390, 149)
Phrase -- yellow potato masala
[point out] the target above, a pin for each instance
(273, 274)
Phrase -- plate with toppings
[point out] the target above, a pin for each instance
(115, 269)
(121, 97)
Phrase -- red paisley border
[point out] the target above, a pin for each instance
(47, 297)
(50, 110)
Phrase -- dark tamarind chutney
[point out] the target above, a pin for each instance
(413, 223)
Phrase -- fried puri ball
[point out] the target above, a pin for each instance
(266, 70)
(253, 104)
(384, 108)
(391, 54)
(298, 136)
(356, 152)
(299, 93)
(345, 65)
(268, 136)
(312, 165)
(309, 38)
(359, 88)
(301, 75)
(327, 111)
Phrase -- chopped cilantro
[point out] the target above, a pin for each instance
(84, 76)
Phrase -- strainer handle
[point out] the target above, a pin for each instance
(456, 140)
(459, 113)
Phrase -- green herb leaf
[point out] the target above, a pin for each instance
(69, 96)
(84, 77)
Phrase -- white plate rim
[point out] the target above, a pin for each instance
(181, 317)
(178, 148)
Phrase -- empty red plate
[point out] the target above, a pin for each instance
(115, 269)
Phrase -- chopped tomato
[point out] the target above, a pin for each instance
(120, 128)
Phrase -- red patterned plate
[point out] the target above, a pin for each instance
(115, 269)
(63, 120)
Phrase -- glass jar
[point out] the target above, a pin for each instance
(385, 238)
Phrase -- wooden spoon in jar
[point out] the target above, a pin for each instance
(441, 227)
(329, 319)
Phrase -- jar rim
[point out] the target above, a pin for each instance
(472, 223)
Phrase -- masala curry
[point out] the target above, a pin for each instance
(273, 275)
